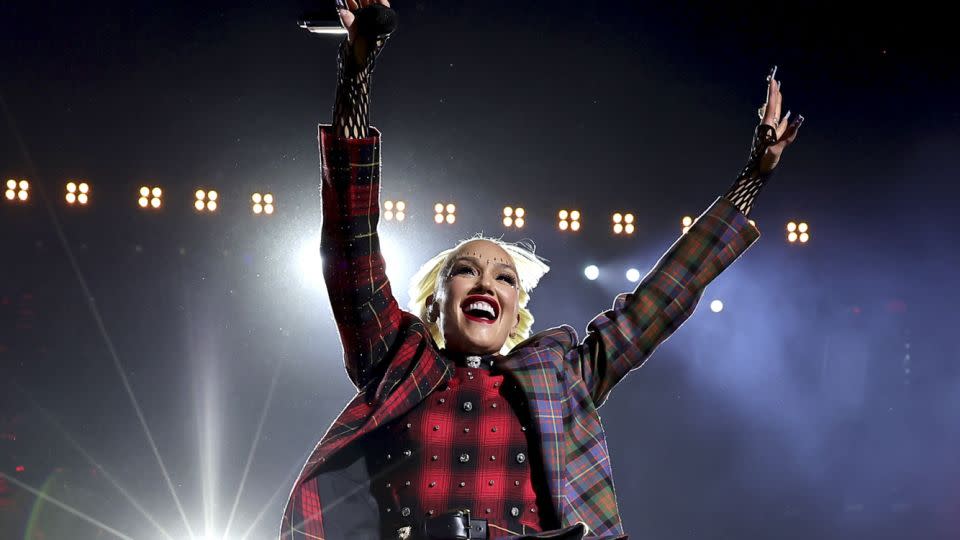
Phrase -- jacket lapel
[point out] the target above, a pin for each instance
(543, 385)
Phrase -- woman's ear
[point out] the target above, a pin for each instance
(433, 310)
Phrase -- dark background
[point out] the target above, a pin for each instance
(821, 402)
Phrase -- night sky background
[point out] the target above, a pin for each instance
(822, 402)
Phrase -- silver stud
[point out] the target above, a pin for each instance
(389, 456)
(496, 384)
(467, 406)
(436, 428)
(405, 511)
(434, 457)
(429, 512)
(521, 458)
(488, 510)
(464, 457)
(494, 429)
(514, 511)
(388, 484)
(407, 483)
(407, 453)
(490, 482)
(388, 510)
(493, 405)
(533, 509)
(466, 430)
(516, 482)
(433, 484)
(409, 425)
(462, 484)
(443, 400)
(523, 428)
(493, 458)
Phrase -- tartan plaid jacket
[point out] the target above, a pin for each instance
(393, 362)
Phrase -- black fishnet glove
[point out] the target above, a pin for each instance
(747, 186)
(351, 109)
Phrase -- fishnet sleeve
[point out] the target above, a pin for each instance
(747, 186)
(351, 109)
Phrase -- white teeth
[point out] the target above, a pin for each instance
(485, 306)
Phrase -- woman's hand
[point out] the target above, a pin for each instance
(346, 9)
(785, 133)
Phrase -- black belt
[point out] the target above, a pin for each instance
(454, 525)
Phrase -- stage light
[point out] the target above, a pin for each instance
(444, 213)
(633, 275)
(77, 193)
(394, 210)
(685, 224)
(206, 201)
(623, 223)
(798, 232)
(17, 191)
(513, 217)
(150, 197)
(716, 306)
(569, 220)
(262, 204)
(592, 272)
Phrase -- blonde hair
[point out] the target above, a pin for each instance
(428, 280)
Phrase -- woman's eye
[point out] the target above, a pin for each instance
(462, 269)
(509, 279)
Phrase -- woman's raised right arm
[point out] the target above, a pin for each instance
(368, 317)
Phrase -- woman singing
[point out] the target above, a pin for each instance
(464, 425)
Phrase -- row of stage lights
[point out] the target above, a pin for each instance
(568, 220)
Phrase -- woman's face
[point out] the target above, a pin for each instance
(479, 299)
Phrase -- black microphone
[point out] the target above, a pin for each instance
(373, 21)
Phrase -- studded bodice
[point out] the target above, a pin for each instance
(468, 445)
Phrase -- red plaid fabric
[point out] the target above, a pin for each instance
(469, 445)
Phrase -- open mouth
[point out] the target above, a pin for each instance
(481, 309)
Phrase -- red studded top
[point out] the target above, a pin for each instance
(469, 445)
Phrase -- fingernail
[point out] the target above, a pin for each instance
(773, 72)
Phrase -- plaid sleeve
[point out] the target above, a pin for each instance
(367, 315)
(621, 339)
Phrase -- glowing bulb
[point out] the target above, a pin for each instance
(198, 205)
(575, 215)
(438, 218)
(71, 187)
(592, 272)
(633, 275)
(451, 208)
(200, 195)
(438, 208)
(520, 212)
(82, 198)
(451, 218)
(71, 198)
(716, 306)
(563, 214)
(268, 198)
(157, 192)
(617, 218)
(84, 187)
(507, 221)
(257, 208)
(257, 198)
(388, 205)
(507, 211)
(563, 225)
(575, 226)
(144, 191)
(519, 222)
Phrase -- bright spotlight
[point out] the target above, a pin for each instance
(622, 223)
(716, 306)
(150, 197)
(685, 224)
(444, 213)
(394, 210)
(569, 220)
(77, 193)
(633, 275)
(798, 232)
(262, 203)
(513, 217)
(592, 272)
(206, 201)
(17, 191)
